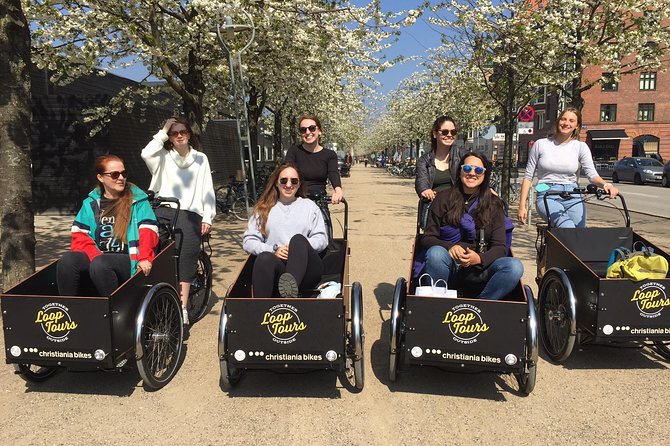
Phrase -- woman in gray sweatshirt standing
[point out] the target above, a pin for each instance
(286, 233)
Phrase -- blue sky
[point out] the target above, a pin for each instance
(413, 41)
(416, 40)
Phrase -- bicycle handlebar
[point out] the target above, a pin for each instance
(590, 189)
(157, 200)
(325, 200)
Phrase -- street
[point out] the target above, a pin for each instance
(601, 395)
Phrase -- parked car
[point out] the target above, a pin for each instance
(665, 179)
(638, 170)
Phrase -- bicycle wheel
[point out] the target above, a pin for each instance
(240, 208)
(201, 288)
(34, 373)
(159, 336)
(221, 199)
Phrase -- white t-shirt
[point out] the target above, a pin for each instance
(559, 163)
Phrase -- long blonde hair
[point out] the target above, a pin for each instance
(270, 195)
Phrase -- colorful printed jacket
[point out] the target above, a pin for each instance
(142, 231)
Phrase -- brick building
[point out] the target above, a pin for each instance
(626, 118)
(63, 152)
(630, 117)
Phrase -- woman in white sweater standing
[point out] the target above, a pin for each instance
(179, 170)
(557, 160)
(287, 234)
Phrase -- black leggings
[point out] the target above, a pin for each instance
(106, 272)
(304, 263)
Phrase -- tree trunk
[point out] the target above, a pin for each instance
(194, 85)
(277, 145)
(509, 117)
(17, 231)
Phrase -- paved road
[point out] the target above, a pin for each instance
(600, 396)
(647, 198)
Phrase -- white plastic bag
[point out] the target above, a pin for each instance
(434, 290)
(329, 290)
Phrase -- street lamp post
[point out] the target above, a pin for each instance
(238, 93)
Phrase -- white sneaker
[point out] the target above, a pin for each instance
(184, 312)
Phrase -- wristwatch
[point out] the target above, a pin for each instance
(275, 247)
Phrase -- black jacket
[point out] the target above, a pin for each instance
(425, 168)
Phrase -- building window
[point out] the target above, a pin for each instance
(541, 95)
(645, 112)
(647, 81)
(607, 112)
(540, 120)
(609, 83)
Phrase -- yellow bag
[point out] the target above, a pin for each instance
(637, 265)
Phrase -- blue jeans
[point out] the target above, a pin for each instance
(565, 213)
(502, 275)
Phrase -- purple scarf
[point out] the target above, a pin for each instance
(465, 232)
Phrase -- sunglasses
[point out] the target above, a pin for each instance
(178, 133)
(294, 181)
(466, 168)
(311, 128)
(447, 132)
(116, 174)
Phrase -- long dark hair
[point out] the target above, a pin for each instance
(193, 140)
(488, 205)
(121, 207)
(436, 126)
(270, 195)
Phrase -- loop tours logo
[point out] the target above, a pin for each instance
(465, 323)
(55, 320)
(650, 299)
(283, 323)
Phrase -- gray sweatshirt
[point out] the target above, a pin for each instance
(559, 163)
(302, 216)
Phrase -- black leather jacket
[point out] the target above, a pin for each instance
(425, 168)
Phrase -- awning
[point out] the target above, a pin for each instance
(599, 135)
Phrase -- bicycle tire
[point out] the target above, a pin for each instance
(240, 208)
(221, 197)
(201, 289)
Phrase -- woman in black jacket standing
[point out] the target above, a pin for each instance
(438, 169)
(316, 163)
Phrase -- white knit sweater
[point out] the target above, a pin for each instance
(189, 179)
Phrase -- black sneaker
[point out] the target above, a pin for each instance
(288, 287)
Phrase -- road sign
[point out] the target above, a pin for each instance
(522, 131)
(526, 114)
(490, 132)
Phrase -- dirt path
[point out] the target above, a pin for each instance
(602, 395)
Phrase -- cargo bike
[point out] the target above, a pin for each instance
(462, 334)
(140, 323)
(579, 305)
(305, 333)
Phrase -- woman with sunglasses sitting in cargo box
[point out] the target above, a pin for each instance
(468, 234)
(179, 170)
(287, 234)
(113, 235)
